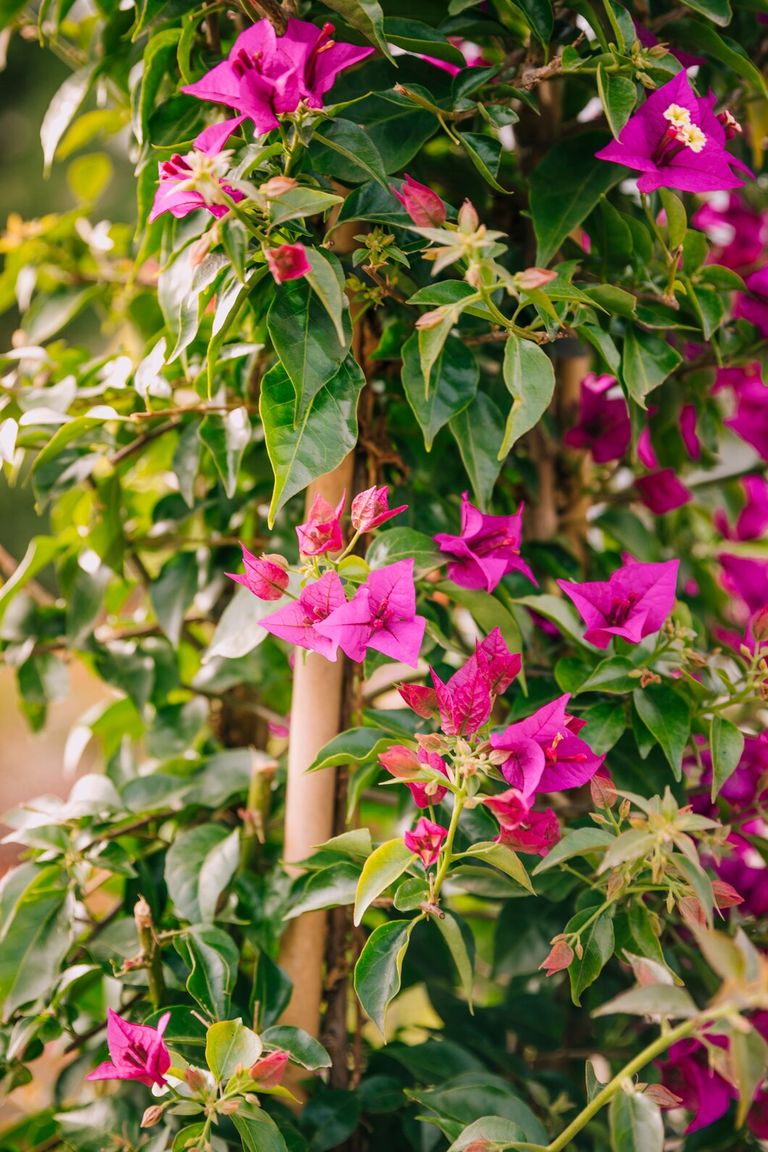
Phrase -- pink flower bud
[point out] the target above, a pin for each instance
(152, 1115)
(730, 123)
(194, 1079)
(400, 761)
(603, 789)
(371, 508)
(432, 319)
(229, 1107)
(322, 533)
(265, 576)
(270, 1069)
(760, 624)
(560, 956)
(532, 278)
(725, 894)
(469, 221)
(288, 262)
(426, 840)
(424, 206)
(277, 185)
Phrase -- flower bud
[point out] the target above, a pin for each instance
(560, 956)
(371, 508)
(760, 624)
(432, 319)
(277, 185)
(287, 262)
(725, 894)
(194, 1079)
(228, 1107)
(602, 789)
(400, 761)
(270, 1069)
(152, 1115)
(532, 278)
(662, 1096)
(692, 911)
(730, 124)
(469, 221)
(424, 206)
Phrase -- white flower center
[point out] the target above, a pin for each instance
(678, 116)
(692, 137)
(688, 133)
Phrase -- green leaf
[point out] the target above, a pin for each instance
(501, 856)
(667, 717)
(172, 592)
(487, 611)
(34, 944)
(237, 632)
(561, 613)
(636, 1124)
(40, 551)
(695, 34)
(489, 1132)
(718, 11)
(305, 339)
(477, 430)
(326, 278)
(367, 17)
(345, 150)
(226, 437)
(304, 1049)
(726, 744)
(61, 111)
(188, 1136)
(485, 154)
(258, 1130)
(575, 842)
(199, 866)
(331, 887)
(381, 869)
(749, 1060)
(597, 944)
(651, 1000)
(530, 379)
(677, 220)
(322, 438)
(646, 362)
(156, 58)
(420, 38)
(404, 544)
(299, 202)
(559, 205)
(378, 969)
(541, 18)
(213, 958)
(88, 176)
(229, 1045)
(618, 95)
(356, 745)
(451, 388)
(605, 726)
(450, 929)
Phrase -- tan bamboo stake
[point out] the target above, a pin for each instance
(309, 802)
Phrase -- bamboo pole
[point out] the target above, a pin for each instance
(309, 803)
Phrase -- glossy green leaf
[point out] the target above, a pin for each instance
(597, 944)
(651, 1000)
(355, 745)
(501, 856)
(33, 946)
(257, 1130)
(420, 38)
(557, 205)
(450, 929)
(229, 1045)
(726, 744)
(385, 864)
(212, 956)
(647, 360)
(378, 969)
(575, 842)
(226, 437)
(618, 95)
(199, 866)
(365, 15)
(322, 438)
(331, 887)
(451, 388)
(478, 432)
(718, 11)
(530, 379)
(489, 1132)
(395, 544)
(304, 1049)
(668, 718)
(62, 109)
(345, 150)
(635, 1123)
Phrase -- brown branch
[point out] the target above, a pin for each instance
(9, 565)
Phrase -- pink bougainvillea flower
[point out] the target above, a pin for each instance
(754, 307)
(688, 431)
(742, 377)
(424, 206)
(634, 602)
(465, 702)
(750, 420)
(519, 826)
(287, 262)
(676, 141)
(562, 761)
(426, 840)
(371, 508)
(686, 1071)
(746, 579)
(403, 763)
(270, 1069)
(662, 491)
(486, 550)
(266, 75)
(737, 232)
(558, 958)
(194, 181)
(381, 615)
(265, 576)
(603, 428)
(137, 1052)
(322, 531)
(298, 621)
(752, 521)
(420, 699)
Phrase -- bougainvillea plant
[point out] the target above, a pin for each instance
(401, 467)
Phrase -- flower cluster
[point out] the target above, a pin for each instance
(381, 613)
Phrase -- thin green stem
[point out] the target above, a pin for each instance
(453, 828)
